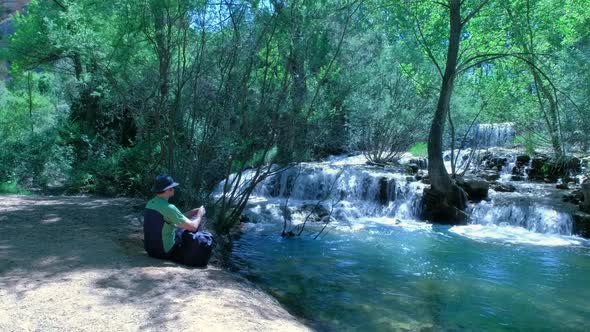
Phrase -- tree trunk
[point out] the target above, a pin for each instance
(163, 48)
(289, 142)
(550, 115)
(444, 201)
(30, 93)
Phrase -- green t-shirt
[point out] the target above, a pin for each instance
(172, 217)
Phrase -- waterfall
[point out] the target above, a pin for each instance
(493, 134)
(506, 172)
(344, 186)
(346, 191)
(531, 216)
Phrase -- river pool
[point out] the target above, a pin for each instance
(384, 274)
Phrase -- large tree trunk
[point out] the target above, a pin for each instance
(444, 201)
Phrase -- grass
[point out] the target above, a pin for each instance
(419, 150)
(11, 187)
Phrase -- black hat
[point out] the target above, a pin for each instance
(163, 182)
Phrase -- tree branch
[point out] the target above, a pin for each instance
(474, 12)
(336, 54)
(488, 57)
(446, 5)
(422, 41)
(61, 5)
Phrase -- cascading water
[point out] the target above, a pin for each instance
(345, 190)
(388, 271)
(344, 186)
(506, 172)
(533, 217)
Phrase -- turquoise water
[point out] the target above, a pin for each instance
(379, 277)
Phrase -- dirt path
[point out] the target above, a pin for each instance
(77, 264)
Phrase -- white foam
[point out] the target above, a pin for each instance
(515, 235)
(354, 228)
(410, 225)
(347, 160)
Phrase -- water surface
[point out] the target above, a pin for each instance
(388, 274)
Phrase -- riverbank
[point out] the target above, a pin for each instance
(77, 264)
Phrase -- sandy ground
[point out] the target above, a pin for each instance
(77, 264)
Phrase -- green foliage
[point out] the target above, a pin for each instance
(119, 172)
(34, 161)
(104, 95)
(12, 187)
(530, 142)
(419, 150)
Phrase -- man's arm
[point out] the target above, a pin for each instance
(195, 212)
(189, 226)
(196, 215)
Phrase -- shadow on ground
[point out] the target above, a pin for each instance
(94, 246)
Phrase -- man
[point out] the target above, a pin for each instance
(164, 223)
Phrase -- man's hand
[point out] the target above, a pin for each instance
(196, 213)
(201, 211)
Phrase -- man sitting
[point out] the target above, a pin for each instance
(164, 223)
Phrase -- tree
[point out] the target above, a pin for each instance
(444, 200)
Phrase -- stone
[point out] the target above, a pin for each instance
(539, 168)
(550, 170)
(495, 163)
(316, 212)
(477, 190)
(486, 156)
(574, 164)
(518, 171)
(539, 161)
(412, 168)
(562, 186)
(422, 163)
(581, 224)
(568, 179)
(522, 160)
(420, 175)
(491, 175)
(504, 187)
(571, 198)
(585, 202)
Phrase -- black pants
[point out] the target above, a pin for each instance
(176, 253)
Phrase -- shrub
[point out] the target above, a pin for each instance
(12, 187)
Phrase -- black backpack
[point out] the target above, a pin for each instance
(195, 248)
